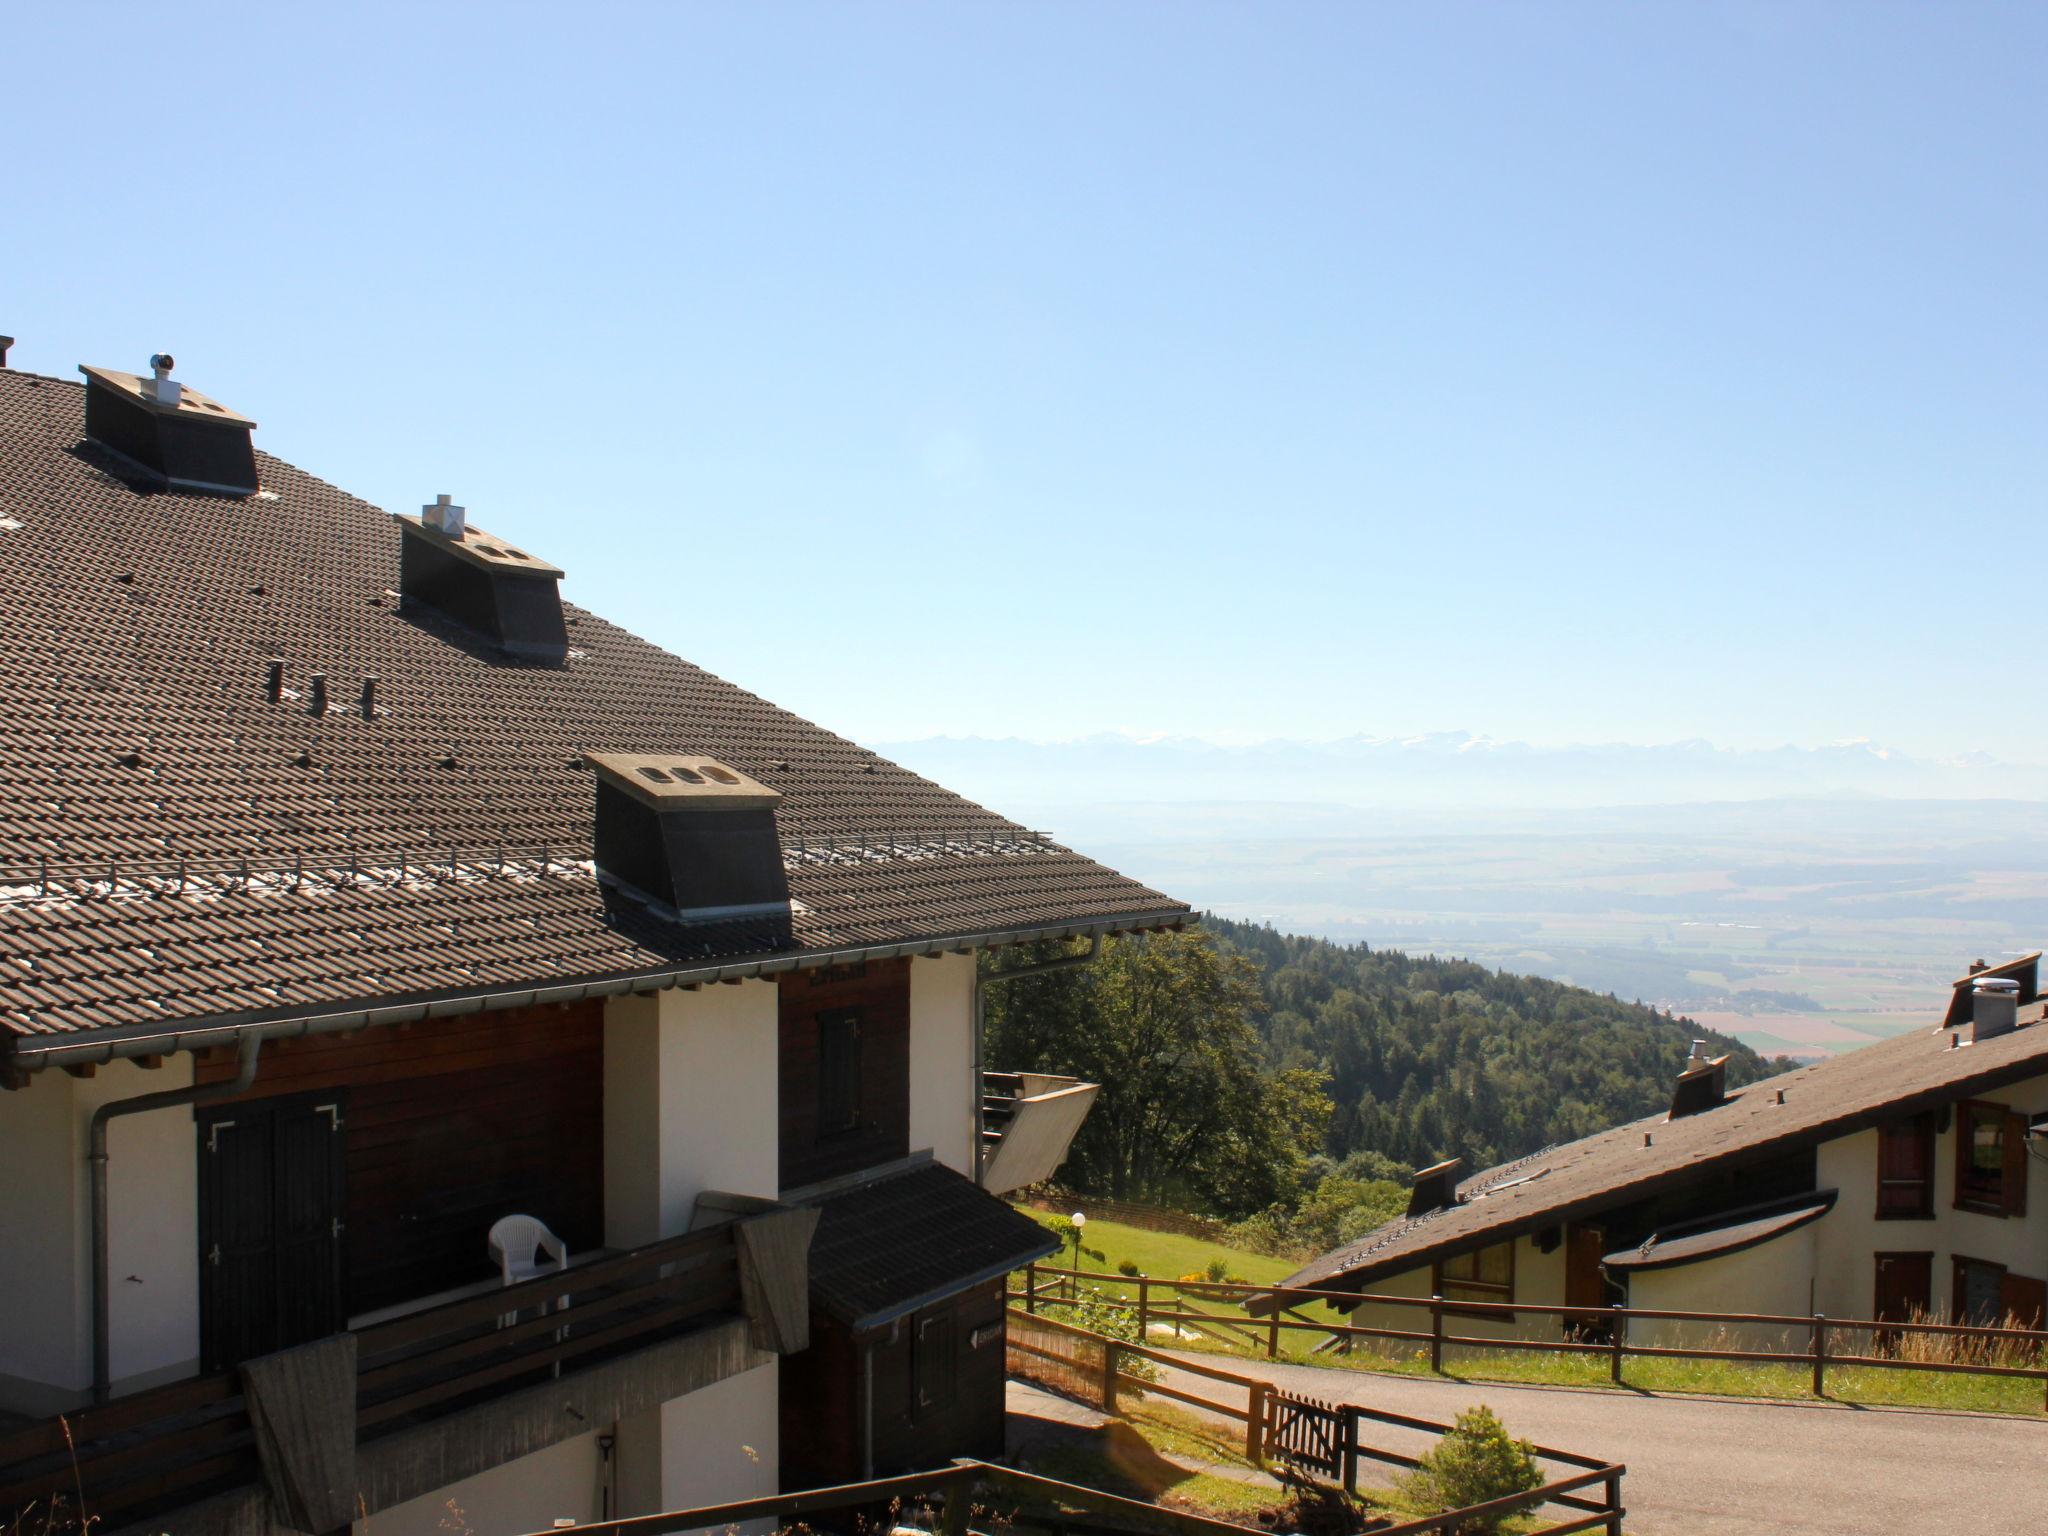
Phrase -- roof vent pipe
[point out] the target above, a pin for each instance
(1994, 1008)
(1698, 1052)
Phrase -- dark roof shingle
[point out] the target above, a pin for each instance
(174, 846)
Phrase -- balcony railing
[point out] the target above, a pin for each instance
(171, 1445)
(1028, 1121)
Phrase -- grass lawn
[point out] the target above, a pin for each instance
(1165, 1255)
(1168, 1256)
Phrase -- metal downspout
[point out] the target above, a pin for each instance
(102, 1305)
(1046, 968)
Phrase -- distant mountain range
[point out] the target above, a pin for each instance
(1444, 770)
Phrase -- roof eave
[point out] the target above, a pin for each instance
(97, 1047)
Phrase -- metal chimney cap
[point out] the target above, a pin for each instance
(1993, 986)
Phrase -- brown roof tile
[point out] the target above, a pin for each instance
(137, 745)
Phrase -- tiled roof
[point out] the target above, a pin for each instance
(886, 1247)
(1811, 1104)
(213, 855)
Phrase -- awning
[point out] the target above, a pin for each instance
(889, 1245)
(1715, 1236)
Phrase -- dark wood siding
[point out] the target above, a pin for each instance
(450, 1125)
(937, 1393)
(880, 994)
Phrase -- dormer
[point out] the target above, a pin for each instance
(689, 835)
(185, 439)
(484, 583)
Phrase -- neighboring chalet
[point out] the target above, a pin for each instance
(1883, 1183)
(357, 893)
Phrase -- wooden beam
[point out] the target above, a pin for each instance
(82, 1068)
(149, 1063)
(12, 1079)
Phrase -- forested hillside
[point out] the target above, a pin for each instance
(1292, 1081)
(1429, 1058)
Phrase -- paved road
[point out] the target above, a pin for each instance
(1708, 1466)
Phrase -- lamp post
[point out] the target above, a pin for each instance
(1080, 1219)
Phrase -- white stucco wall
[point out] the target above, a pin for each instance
(943, 1092)
(717, 1445)
(689, 1104)
(1776, 1278)
(1539, 1280)
(1850, 1235)
(563, 1482)
(46, 1216)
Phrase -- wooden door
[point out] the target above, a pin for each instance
(1585, 1285)
(270, 1226)
(935, 1361)
(1905, 1286)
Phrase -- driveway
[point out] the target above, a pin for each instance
(1709, 1466)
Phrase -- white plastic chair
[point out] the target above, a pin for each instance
(517, 1243)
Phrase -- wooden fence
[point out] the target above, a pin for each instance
(173, 1444)
(1601, 1332)
(1307, 1436)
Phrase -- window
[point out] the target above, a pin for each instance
(839, 1096)
(1485, 1275)
(1905, 1169)
(1991, 1160)
(1978, 1288)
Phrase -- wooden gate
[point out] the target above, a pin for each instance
(1308, 1435)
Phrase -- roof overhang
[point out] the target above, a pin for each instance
(1716, 1237)
(96, 1047)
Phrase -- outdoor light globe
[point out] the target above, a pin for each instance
(1080, 1218)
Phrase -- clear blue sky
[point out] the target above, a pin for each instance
(1562, 372)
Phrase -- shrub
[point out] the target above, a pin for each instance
(1217, 1270)
(1127, 1267)
(1475, 1461)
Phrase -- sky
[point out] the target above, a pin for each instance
(1561, 372)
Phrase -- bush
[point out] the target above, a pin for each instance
(1127, 1267)
(1217, 1270)
(1475, 1461)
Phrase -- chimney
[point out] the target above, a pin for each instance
(1702, 1085)
(1435, 1188)
(5, 343)
(175, 434)
(453, 567)
(1994, 1008)
(690, 835)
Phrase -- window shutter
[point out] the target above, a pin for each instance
(2015, 1181)
(2022, 1298)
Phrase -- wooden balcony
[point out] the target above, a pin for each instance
(174, 1445)
(1028, 1120)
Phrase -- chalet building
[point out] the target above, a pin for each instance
(1881, 1184)
(357, 893)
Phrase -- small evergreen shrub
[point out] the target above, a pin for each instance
(1128, 1267)
(1475, 1461)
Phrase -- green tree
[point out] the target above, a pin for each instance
(1189, 1115)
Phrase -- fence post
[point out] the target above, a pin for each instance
(1820, 1355)
(1144, 1307)
(1109, 1376)
(1436, 1335)
(959, 1506)
(1351, 1452)
(1272, 1332)
(1614, 1510)
(1031, 1288)
(1616, 1324)
(1255, 1422)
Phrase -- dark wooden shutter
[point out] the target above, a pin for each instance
(2013, 1186)
(238, 1299)
(2023, 1299)
(270, 1226)
(935, 1362)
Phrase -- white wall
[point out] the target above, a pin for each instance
(689, 1104)
(1851, 1234)
(716, 1445)
(943, 1092)
(563, 1482)
(1539, 1280)
(1776, 1277)
(46, 1216)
